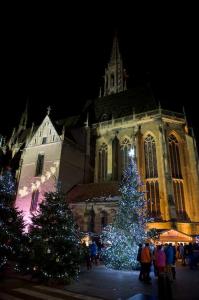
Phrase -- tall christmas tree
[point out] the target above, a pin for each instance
(11, 221)
(54, 240)
(122, 237)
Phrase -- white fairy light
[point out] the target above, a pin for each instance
(132, 152)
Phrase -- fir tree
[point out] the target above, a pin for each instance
(11, 222)
(54, 240)
(7, 187)
(121, 238)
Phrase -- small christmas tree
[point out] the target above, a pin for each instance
(54, 240)
(7, 186)
(121, 238)
(11, 221)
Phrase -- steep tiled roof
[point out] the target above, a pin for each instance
(138, 99)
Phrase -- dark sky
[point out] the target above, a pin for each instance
(58, 61)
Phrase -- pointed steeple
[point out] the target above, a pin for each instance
(115, 54)
(48, 110)
(24, 119)
(115, 75)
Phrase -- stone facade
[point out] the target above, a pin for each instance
(47, 159)
(172, 191)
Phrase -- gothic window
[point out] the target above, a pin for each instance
(104, 219)
(150, 157)
(125, 147)
(174, 157)
(40, 164)
(34, 201)
(153, 199)
(115, 158)
(179, 199)
(151, 174)
(103, 153)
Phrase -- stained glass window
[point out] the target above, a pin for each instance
(174, 155)
(125, 147)
(151, 174)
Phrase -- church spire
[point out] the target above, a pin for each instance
(115, 75)
(115, 54)
(24, 119)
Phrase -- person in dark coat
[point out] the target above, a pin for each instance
(141, 275)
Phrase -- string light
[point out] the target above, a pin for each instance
(121, 238)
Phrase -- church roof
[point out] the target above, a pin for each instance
(138, 99)
(70, 121)
(83, 192)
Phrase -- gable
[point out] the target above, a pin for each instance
(45, 134)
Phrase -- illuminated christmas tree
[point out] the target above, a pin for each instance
(11, 222)
(7, 186)
(54, 240)
(121, 238)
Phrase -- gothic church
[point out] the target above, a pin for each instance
(88, 158)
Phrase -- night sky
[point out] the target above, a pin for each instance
(60, 62)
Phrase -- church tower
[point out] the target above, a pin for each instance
(115, 75)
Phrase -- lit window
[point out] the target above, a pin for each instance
(150, 157)
(125, 147)
(174, 155)
(151, 174)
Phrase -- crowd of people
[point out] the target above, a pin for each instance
(164, 257)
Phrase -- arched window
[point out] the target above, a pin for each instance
(153, 199)
(174, 155)
(34, 200)
(104, 219)
(151, 174)
(125, 147)
(103, 153)
(150, 157)
(115, 158)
